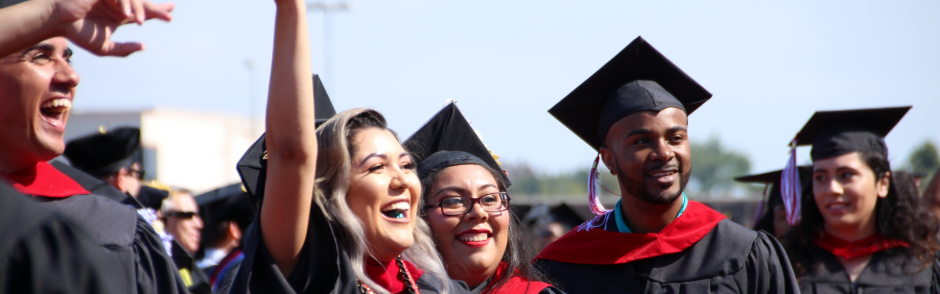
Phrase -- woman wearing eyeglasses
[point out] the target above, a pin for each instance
(467, 208)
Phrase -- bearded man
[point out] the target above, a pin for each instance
(634, 111)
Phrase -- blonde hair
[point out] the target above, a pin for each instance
(334, 164)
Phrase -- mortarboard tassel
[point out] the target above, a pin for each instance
(790, 188)
(593, 200)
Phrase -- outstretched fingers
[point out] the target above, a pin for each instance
(159, 11)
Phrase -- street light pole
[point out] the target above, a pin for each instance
(252, 104)
(327, 8)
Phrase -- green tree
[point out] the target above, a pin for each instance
(714, 167)
(925, 159)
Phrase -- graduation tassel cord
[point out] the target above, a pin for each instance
(593, 182)
(791, 188)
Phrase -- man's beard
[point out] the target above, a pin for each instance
(638, 189)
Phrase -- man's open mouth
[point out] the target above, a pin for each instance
(53, 109)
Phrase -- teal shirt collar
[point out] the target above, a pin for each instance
(622, 225)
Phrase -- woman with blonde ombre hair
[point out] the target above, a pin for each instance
(337, 204)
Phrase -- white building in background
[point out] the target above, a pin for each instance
(182, 148)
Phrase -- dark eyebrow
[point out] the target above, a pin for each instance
(371, 156)
(678, 128)
(455, 189)
(639, 132)
(488, 186)
(40, 46)
(403, 154)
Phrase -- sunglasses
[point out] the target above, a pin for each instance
(181, 214)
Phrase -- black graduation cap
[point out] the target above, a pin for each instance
(771, 177)
(447, 140)
(566, 215)
(105, 153)
(151, 197)
(833, 133)
(639, 78)
(252, 167)
(229, 203)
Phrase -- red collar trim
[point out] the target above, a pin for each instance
(515, 284)
(846, 249)
(44, 180)
(597, 246)
(387, 276)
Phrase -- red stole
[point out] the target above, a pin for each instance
(44, 180)
(847, 250)
(387, 275)
(597, 246)
(515, 284)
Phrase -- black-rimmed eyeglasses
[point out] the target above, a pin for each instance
(457, 205)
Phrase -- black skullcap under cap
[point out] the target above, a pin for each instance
(105, 153)
(834, 133)
(448, 140)
(253, 166)
(639, 78)
(8, 3)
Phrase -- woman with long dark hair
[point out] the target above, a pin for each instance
(467, 208)
(339, 207)
(862, 228)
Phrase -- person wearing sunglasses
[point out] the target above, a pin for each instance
(181, 217)
(467, 208)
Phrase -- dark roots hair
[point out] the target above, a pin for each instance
(516, 254)
(899, 216)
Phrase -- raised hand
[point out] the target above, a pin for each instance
(90, 23)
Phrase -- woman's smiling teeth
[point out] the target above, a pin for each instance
(396, 210)
(473, 237)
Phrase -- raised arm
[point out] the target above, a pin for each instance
(291, 138)
(87, 23)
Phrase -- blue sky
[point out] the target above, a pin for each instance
(770, 65)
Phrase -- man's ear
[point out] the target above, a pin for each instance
(118, 179)
(607, 156)
(234, 231)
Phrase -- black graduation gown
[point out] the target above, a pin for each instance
(136, 253)
(193, 277)
(547, 290)
(41, 252)
(728, 259)
(182, 259)
(887, 272)
(95, 186)
(323, 266)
